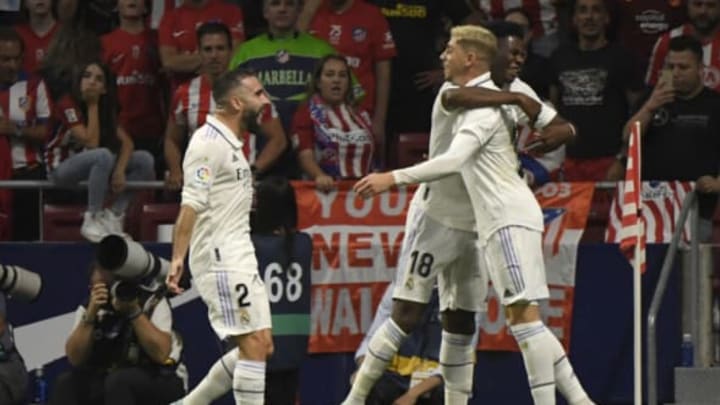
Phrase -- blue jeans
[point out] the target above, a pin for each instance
(96, 166)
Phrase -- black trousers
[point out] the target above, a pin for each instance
(125, 386)
(26, 206)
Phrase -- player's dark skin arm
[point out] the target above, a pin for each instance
(275, 146)
(557, 133)
(477, 97)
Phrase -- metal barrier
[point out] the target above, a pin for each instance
(41, 185)
(690, 207)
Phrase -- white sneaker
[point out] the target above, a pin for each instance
(112, 223)
(92, 227)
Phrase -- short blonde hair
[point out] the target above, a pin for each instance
(474, 37)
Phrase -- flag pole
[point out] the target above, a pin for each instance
(637, 328)
(637, 271)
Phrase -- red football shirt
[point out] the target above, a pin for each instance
(35, 45)
(177, 27)
(134, 60)
(361, 34)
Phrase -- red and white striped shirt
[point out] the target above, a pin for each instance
(711, 57)
(25, 104)
(64, 115)
(543, 16)
(340, 137)
(661, 205)
(193, 102)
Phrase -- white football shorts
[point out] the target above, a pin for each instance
(513, 256)
(433, 253)
(237, 302)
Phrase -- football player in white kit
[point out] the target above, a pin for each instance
(214, 223)
(509, 221)
(440, 244)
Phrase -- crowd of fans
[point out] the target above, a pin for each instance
(107, 92)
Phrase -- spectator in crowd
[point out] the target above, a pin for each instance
(178, 40)
(73, 45)
(640, 22)
(193, 101)
(534, 71)
(122, 348)
(13, 375)
(594, 83)
(704, 24)
(275, 213)
(24, 110)
(543, 18)
(131, 53)
(87, 143)
(284, 60)
(335, 139)
(416, 71)
(36, 31)
(361, 34)
(680, 127)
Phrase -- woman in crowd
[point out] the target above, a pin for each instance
(86, 143)
(334, 137)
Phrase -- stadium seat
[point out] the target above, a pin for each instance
(133, 215)
(412, 148)
(154, 215)
(61, 223)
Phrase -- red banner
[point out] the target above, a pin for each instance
(357, 245)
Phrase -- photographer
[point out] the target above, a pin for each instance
(122, 349)
(13, 375)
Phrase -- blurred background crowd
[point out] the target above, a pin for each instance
(109, 91)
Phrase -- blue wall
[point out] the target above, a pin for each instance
(601, 345)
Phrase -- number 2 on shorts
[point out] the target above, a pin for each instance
(243, 291)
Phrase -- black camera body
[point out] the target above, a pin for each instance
(125, 291)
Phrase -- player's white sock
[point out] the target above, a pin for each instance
(249, 382)
(382, 347)
(216, 383)
(537, 352)
(457, 361)
(565, 378)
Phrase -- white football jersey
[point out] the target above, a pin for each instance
(546, 115)
(482, 151)
(218, 186)
(445, 200)
(500, 197)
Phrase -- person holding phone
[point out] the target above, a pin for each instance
(679, 129)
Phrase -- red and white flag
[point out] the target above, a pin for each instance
(632, 233)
